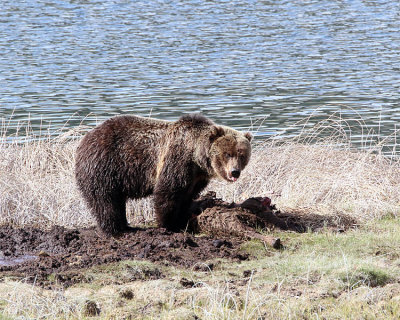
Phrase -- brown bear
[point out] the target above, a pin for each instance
(131, 157)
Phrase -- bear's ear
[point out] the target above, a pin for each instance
(248, 136)
(216, 132)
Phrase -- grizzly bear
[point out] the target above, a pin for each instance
(131, 157)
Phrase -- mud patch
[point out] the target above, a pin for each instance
(60, 249)
(63, 252)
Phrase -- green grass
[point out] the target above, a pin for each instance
(256, 249)
(370, 276)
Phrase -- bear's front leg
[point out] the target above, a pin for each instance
(172, 207)
(173, 193)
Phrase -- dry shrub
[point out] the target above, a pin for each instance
(318, 170)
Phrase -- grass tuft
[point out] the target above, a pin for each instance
(367, 276)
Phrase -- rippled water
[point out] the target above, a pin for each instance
(236, 61)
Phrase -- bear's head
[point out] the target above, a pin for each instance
(229, 153)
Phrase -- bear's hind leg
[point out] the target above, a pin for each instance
(110, 215)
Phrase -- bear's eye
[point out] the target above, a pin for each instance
(227, 155)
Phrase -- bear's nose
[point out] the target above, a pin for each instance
(235, 173)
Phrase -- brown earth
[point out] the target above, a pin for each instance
(35, 254)
(59, 249)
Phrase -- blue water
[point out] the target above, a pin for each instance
(263, 65)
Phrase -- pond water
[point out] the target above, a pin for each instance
(5, 262)
(263, 65)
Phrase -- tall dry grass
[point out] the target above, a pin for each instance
(37, 182)
(318, 170)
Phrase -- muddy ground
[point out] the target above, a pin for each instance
(60, 249)
(218, 230)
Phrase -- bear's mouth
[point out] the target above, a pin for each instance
(232, 178)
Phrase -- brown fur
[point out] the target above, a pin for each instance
(130, 157)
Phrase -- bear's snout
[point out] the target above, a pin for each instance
(235, 173)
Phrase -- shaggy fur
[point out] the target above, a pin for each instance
(134, 157)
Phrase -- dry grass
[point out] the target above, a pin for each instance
(321, 179)
(37, 183)
(322, 175)
(28, 302)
